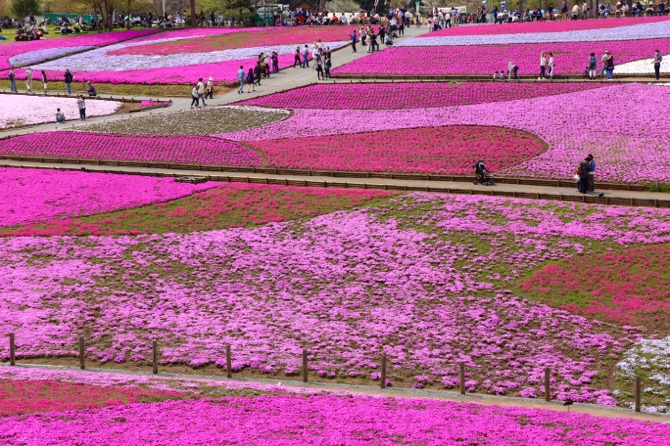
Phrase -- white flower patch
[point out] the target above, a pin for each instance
(635, 32)
(653, 357)
(644, 66)
(100, 60)
(30, 110)
(34, 57)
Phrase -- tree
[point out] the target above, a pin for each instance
(342, 6)
(24, 8)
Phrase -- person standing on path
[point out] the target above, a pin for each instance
(305, 56)
(609, 67)
(81, 103)
(603, 60)
(250, 80)
(326, 66)
(582, 173)
(68, 81)
(210, 88)
(591, 175)
(240, 79)
(354, 39)
(258, 73)
(12, 80)
(319, 68)
(29, 80)
(657, 64)
(44, 81)
(593, 66)
(275, 62)
(550, 65)
(543, 65)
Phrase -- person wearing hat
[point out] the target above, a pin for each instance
(210, 88)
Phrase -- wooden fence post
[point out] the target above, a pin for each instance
(383, 377)
(155, 358)
(638, 390)
(461, 377)
(304, 365)
(82, 353)
(229, 366)
(547, 384)
(12, 350)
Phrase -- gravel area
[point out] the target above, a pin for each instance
(203, 122)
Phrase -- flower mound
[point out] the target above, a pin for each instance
(93, 146)
(625, 286)
(34, 195)
(446, 150)
(39, 109)
(409, 95)
(294, 419)
(570, 58)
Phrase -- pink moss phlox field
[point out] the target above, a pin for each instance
(409, 95)
(23, 397)
(443, 150)
(10, 50)
(251, 37)
(34, 195)
(543, 27)
(174, 149)
(570, 58)
(572, 125)
(343, 284)
(325, 420)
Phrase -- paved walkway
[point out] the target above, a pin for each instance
(524, 191)
(399, 392)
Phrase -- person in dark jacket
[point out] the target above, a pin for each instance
(258, 73)
(250, 80)
(68, 81)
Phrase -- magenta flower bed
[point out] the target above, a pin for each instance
(571, 124)
(10, 50)
(543, 27)
(570, 58)
(41, 195)
(445, 150)
(325, 420)
(410, 95)
(95, 146)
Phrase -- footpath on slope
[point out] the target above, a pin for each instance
(396, 392)
(614, 197)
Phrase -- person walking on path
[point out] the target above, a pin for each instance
(354, 39)
(593, 66)
(29, 80)
(657, 64)
(319, 68)
(201, 91)
(275, 62)
(68, 81)
(240, 79)
(44, 81)
(326, 66)
(195, 97)
(12, 80)
(60, 116)
(210, 88)
(609, 67)
(591, 174)
(296, 58)
(250, 80)
(81, 103)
